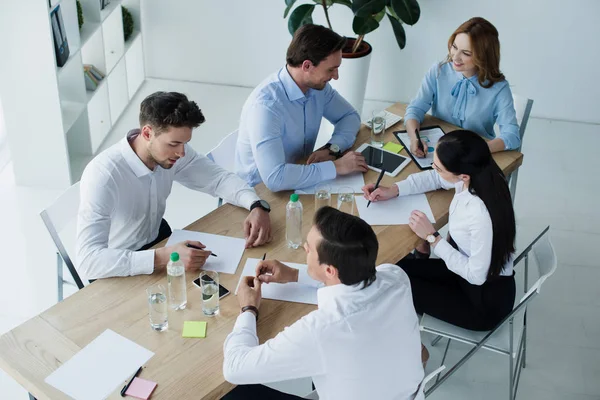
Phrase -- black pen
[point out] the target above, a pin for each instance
(191, 246)
(420, 144)
(377, 183)
(264, 256)
(131, 380)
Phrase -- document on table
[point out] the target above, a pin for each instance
(99, 368)
(390, 119)
(293, 291)
(229, 250)
(429, 135)
(354, 181)
(394, 211)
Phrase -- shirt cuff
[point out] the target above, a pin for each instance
(443, 249)
(248, 198)
(142, 262)
(327, 169)
(246, 320)
(305, 279)
(404, 188)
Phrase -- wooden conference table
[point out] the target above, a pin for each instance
(192, 368)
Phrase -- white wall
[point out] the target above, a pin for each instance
(550, 49)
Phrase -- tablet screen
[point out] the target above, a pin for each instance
(378, 158)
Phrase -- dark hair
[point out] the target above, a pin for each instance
(486, 49)
(314, 43)
(465, 152)
(164, 109)
(349, 244)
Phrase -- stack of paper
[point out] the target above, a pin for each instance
(354, 181)
(395, 211)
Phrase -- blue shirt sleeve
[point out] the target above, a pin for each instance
(343, 116)
(425, 96)
(265, 129)
(506, 118)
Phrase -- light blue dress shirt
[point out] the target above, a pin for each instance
(465, 103)
(279, 126)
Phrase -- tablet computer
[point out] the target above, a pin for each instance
(377, 158)
(431, 135)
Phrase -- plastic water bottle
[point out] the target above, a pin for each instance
(176, 282)
(293, 222)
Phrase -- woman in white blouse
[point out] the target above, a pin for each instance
(471, 285)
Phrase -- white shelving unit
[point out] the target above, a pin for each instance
(86, 117)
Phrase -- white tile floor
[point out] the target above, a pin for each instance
(564, 324)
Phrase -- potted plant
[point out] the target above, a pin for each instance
(357, 54)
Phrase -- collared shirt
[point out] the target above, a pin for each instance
(359, 344)
(279, 126)
(122, 204)
(470, 227)
(464, 102)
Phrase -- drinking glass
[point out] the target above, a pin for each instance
(158, 308)
(322, 196)
(377, 129)
(346, 200)
(209, 283)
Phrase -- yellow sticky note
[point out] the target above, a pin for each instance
(393, 147)
(194, 329)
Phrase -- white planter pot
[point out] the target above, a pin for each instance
(353, 74)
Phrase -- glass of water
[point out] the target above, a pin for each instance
(158, 307)
(377, 129)
(346, 200)
(209, 283)
(322, 196)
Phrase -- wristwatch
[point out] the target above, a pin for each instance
(261, 204)
(334, 149)
(431, 238)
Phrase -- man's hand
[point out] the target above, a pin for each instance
(249, 293)
(351, 162)
(193, 259)
(273, 271)
(257, 228)
(320, 156)
(379, 194)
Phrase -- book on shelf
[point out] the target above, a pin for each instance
(95, 71)
(93, 77)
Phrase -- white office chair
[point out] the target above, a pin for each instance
(61, 218)
(224, 154)
(419, 396)
(523, 108)
(500, 339)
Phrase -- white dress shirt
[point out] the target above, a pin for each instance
(470, 226)
(123, 202)
(360, 343)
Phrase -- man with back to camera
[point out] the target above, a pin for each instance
(362, 342)
(282, 116)
(125, 188)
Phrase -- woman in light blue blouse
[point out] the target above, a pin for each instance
(468, 89)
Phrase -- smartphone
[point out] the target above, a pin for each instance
(222, 290)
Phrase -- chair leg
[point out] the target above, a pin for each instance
(59, 275)
(510, 363)
(513, 184)
(524, 339)
(437, 378)
(436, 340)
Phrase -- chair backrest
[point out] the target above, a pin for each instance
(545, 260)
(60, 219)
(523, 107)
(224, 154)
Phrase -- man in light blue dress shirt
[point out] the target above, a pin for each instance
(281, 119)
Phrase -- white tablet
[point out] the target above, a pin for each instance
(377, 158)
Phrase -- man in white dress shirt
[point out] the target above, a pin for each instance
(363, 341)
(125, 188)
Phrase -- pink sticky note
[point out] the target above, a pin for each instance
(140, 388)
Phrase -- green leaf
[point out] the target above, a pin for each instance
(302, 15)
(289, 4)
(398, 31)
(347, 3)
(364, 25)
(378, 17)
(367, 8)
(407, 10)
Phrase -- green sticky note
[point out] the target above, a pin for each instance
(194, 329)
(393, 147)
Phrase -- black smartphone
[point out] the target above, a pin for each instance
(222, 290)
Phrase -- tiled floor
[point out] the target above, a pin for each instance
(557, 187)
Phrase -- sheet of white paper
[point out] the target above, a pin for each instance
(100, 367)
(228, 250)
(354, 181)
(395, 211)
(431, 135)
(390, 119)
(294, 292)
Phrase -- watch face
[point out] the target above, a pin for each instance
(335, 148)
(265, 205)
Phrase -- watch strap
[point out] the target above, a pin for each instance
(250, 308)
